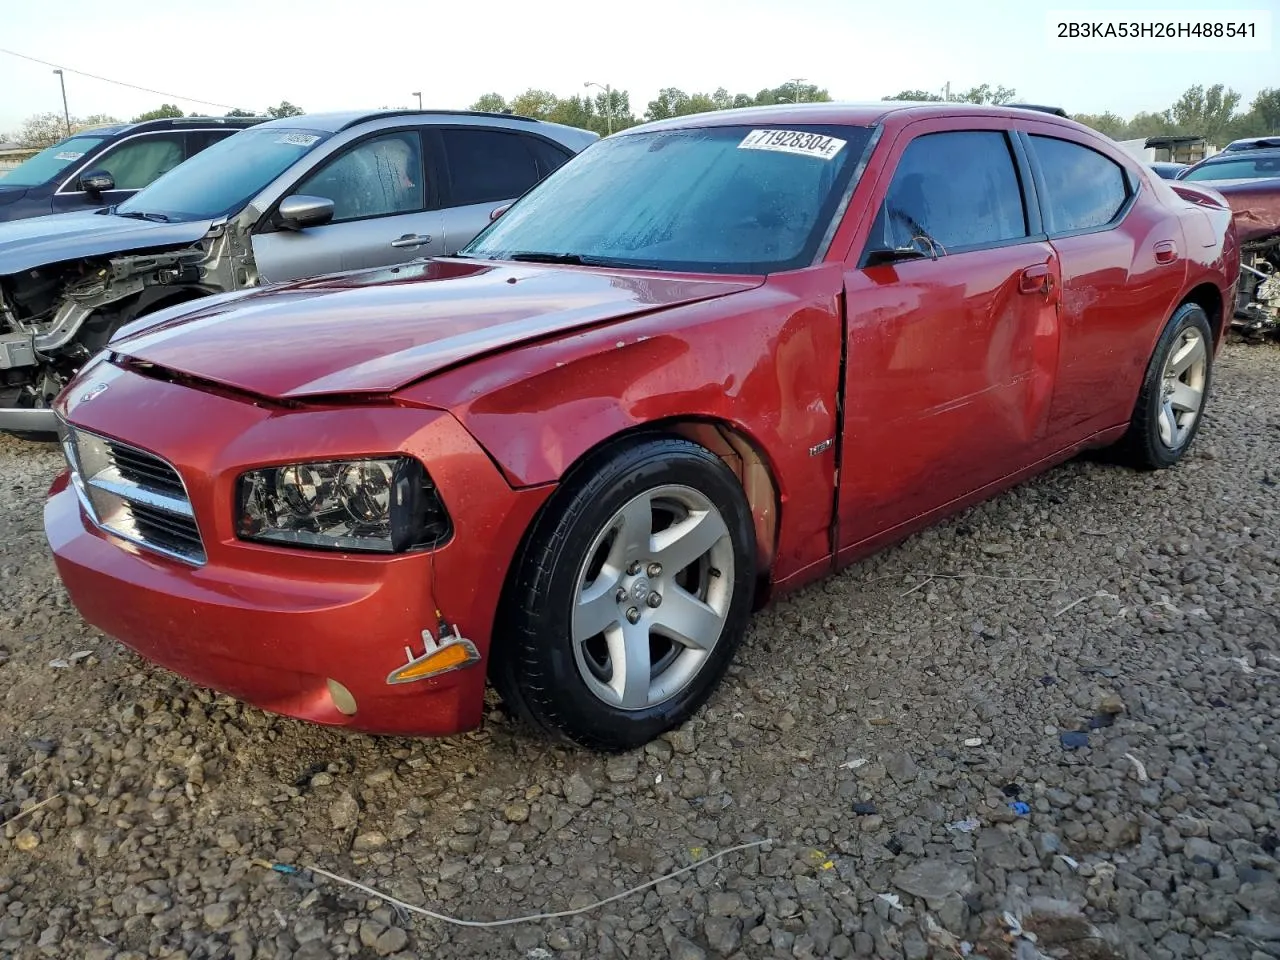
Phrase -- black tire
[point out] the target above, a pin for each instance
(1142, 446)
(534, 665)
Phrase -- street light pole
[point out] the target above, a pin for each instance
(418, 94)
(66, 114)
(608, 102)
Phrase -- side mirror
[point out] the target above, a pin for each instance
(496, 212)
(298, 211)
(97, 181)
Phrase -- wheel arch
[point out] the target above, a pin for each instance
(742, 453)
(1208, 298)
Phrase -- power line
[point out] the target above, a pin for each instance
(119, 83)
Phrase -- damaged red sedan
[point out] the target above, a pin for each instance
(708, 360)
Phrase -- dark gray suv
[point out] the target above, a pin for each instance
(109, 164)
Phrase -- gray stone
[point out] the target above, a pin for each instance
(724, 934)
(577, 791)
(392, 940)
(933, 879)
(218, 915)
(682, 949)
(344, 812)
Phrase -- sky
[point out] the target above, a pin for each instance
(333, 55)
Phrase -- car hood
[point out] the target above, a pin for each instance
(11, 194)
(38, 241)
(1255, 204)
(376, 331)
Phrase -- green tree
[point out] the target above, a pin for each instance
(491, 103)
(576, 111)
(1263, 117)
(1108, 124)
(237, 112)
(534, 103)
(916, 95)
(162, 112)
(979, 94)
(1151, 124)
(792, 93)
(1206, 113)
(669, 103)
(984, 94)
(285, 109)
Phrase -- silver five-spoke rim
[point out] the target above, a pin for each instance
(652, 597)
(1182, 391)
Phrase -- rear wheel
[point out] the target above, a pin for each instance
(631, 596)
(1171, 403)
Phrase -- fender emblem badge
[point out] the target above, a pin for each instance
(96, 390)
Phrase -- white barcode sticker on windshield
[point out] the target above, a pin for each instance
(793, 141)
(68, 155)
(298, 139)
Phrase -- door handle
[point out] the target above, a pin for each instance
(1036, 279)
(410, 240)
(1166, 251)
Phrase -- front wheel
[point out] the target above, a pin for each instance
(630, 597)
(1171, 402)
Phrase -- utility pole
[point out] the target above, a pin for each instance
(946, 93)
(66, 114)
(608, 102)
(418, 94)
(795, 85)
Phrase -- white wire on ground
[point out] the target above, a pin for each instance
(423, 911)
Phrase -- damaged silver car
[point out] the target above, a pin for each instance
(288, 199)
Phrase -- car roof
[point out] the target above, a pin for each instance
(1252, 143)
(335, 121)
(1227, 156)
(169, 123)
(867, 113)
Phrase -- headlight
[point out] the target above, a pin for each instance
(387, 506)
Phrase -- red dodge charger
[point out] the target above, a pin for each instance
(708, 360)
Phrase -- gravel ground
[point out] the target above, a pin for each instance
(1093, 751)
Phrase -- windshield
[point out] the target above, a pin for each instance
(1241, 168)
(222, 178)
(50, 162)
(736, 199)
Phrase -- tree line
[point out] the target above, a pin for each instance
(44, 129)
(1213, 112)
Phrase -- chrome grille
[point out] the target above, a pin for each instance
(133, 494)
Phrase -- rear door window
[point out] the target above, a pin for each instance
(955, 190)
(1083, 189)
(487, 165)
(197, 140)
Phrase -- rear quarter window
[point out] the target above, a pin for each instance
(1084, 190)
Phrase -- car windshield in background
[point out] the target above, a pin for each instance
(221, 179)
(733, 199)
(1240, 168)
(48, 163)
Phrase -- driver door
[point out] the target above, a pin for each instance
(386, 211)
(952, 354)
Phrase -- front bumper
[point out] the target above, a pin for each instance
(277, 627)
(22, 420)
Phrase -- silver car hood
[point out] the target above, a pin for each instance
(40, 241)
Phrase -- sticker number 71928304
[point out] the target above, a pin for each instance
(793, 141)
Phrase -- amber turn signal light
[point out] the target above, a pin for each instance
(454, 654)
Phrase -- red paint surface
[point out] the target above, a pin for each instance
(956, 377)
